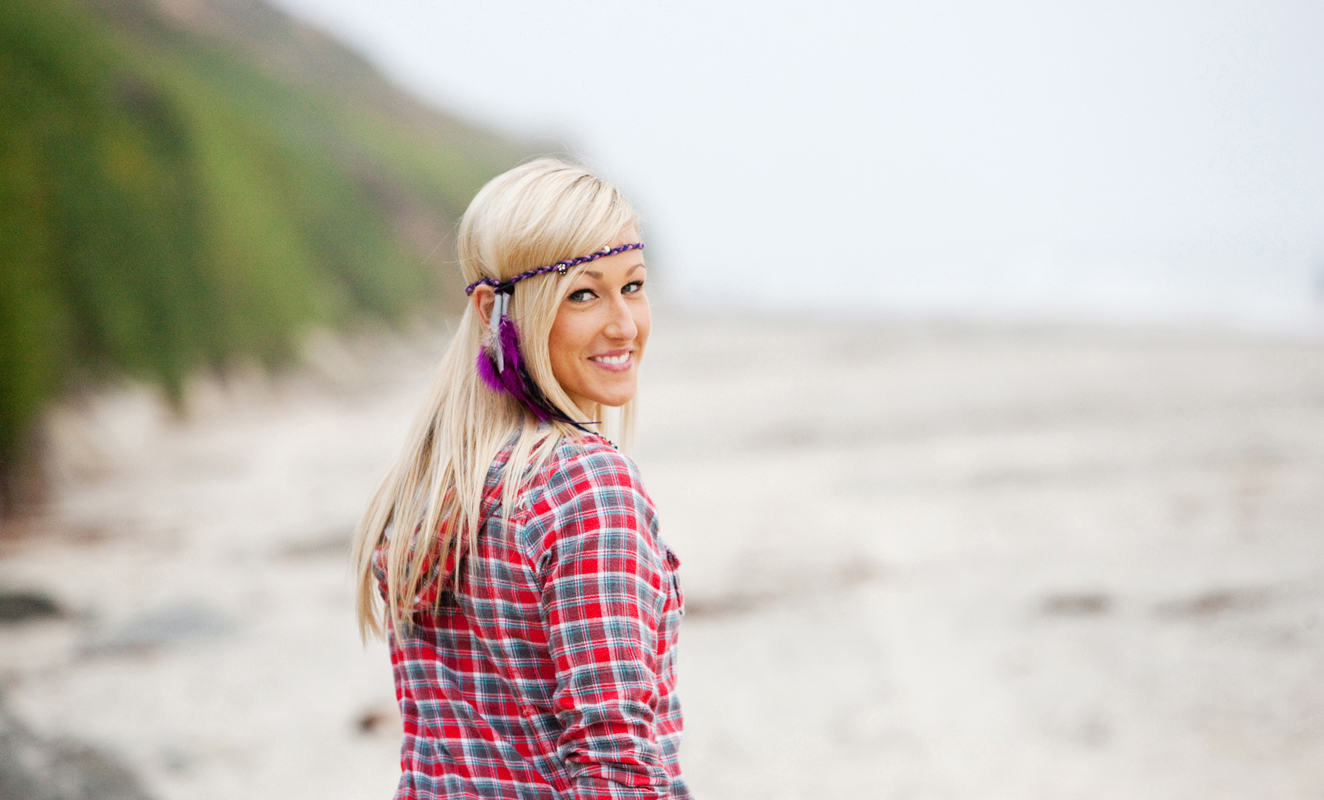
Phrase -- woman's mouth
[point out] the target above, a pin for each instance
(613, 361)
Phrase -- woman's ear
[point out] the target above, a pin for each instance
(482, 298)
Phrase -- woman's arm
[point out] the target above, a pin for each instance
(604, 593)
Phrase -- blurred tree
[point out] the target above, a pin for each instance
(184, 184)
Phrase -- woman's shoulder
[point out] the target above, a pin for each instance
(588, 467)
(588, 492)
(590, 457)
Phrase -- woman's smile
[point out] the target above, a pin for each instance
(616, 362)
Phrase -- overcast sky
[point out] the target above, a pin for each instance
(1019, 155)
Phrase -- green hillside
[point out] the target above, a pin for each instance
(187, 183)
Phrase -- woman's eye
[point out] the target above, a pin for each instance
(632, 287)
(581, 296)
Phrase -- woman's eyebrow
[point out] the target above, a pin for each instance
(598, 275)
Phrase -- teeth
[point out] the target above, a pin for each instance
(621, 359)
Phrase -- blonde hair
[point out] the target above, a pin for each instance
(426, 511)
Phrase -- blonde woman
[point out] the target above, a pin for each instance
(511, 555)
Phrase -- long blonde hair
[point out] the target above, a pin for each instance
(426, 511)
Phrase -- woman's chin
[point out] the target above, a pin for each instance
(614, 400)
(613, 394)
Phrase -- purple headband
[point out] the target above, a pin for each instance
(500, 364)
(560, 266)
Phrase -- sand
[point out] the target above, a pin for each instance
(920, 561)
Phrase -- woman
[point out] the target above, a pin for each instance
(530, 607)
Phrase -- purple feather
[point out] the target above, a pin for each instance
(511, 377)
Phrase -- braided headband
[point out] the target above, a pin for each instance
(504, 287)
(500, 363)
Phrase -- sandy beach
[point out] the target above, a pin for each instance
(920, 561)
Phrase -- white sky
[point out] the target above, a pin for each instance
(1031, 156)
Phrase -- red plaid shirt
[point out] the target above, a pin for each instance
(552, 672)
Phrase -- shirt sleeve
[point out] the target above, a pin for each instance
(604, 592)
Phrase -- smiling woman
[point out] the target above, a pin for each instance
(531, 608)
(601, 329)
(596, 340)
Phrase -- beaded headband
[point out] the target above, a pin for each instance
(560, 266)
(500, 364)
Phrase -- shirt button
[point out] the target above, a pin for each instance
(528, 711)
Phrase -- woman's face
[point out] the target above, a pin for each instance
(601, 328)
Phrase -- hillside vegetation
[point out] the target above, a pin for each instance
(187, 183)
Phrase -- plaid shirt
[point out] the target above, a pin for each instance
(552, 672)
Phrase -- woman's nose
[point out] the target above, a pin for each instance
(622, 324)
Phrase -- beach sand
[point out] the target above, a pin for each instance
(920, 561)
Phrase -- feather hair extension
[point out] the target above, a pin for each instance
(510, 375)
